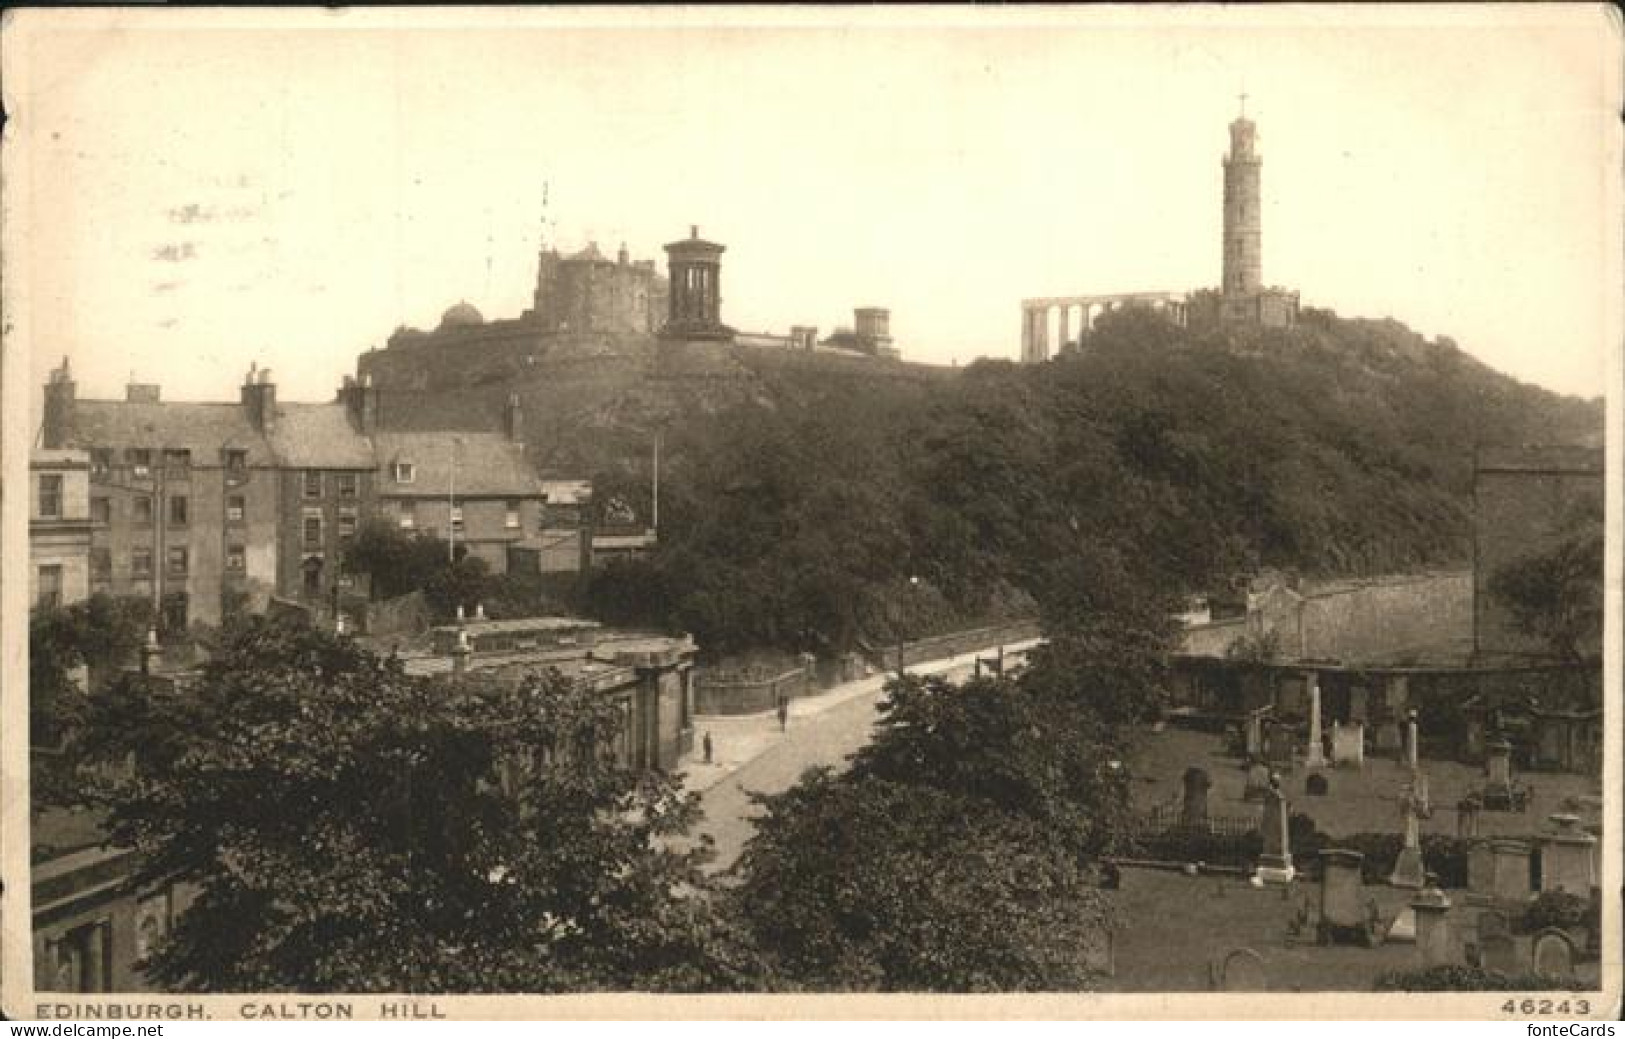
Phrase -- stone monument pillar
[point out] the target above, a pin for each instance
(1315, 757)
(1510, 870)
(1413, 754)
(1433, 939)
(1275, 864)
(1566, 857)
(1408, 871)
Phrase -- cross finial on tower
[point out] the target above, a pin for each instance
(1243, 97)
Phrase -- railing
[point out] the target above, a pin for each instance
(1167, 834)
(728, 694)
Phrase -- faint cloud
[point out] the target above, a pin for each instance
(167, 322)
(166, 286)
(176, 252)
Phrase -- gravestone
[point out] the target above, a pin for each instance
(1566, 857)
(1386, 738)
(1435, 944)
(1278, 746)
(1193, 809)
(1480, 868)
(1242, 970)
(1099, 953)
(1314, 753)
(1348, 745)
(1258, 782)
(1403, 929)
(1342, 918)
(1275, 863)
(1408, 870)
(1510, 872)
(1254, 734)
(1499, 952)
(1498, 793)
(1552, 954)
(1467, 817)
(1316, 785)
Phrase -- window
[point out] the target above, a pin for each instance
(177, 561)
(50, 496)
(50, 586)
(236, 559)
(409, 516)
(313, 530)
(346, 524)
(347, 485)
(456, 517)
(141, 509)
(405, 472)
(101, 563)
(235, 508)
(313, 483)
(511, 519)
(101, 510)
(177, 463)
(141, 562)
(236, 460)
(140, 461)
(177, 510)
(101, 460)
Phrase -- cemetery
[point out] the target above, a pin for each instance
(1326, 865)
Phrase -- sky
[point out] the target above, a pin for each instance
(288, 191)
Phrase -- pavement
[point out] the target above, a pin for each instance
(751, 755)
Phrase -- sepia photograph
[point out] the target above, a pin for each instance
(554, 512)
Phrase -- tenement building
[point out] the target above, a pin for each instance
(212, 508)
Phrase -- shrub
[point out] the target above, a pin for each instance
(1560, 909)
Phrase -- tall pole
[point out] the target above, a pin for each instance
(655, 514)
(451, 505)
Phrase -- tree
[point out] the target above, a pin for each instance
(866, 883)
(954, 855)
(351, 828)
(1555, 595)
(398, 563)
(98, 635)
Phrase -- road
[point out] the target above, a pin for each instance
(822, 730)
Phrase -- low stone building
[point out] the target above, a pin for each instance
(650, 677)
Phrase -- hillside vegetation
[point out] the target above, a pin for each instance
(798, 501)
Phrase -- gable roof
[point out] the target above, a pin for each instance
(319, 436)
(489, 465)
(203, 429)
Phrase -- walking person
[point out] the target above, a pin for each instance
(784, 713)
(707, 746)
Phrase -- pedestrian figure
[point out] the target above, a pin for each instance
(707, 745)
(784, 714)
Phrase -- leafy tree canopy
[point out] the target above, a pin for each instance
(350, 828)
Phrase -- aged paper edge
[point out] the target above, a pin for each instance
(17, 997)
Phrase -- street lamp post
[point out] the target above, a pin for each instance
(913, 583)
(451, 503)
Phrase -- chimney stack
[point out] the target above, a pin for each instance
(259, 399)
(513, 423)
(61, 407)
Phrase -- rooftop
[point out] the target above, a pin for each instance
(487, 465)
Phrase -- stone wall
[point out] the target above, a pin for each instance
(1525, 502)
(1388, 616)
(725, 695)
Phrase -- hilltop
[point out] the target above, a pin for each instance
(800, 493)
